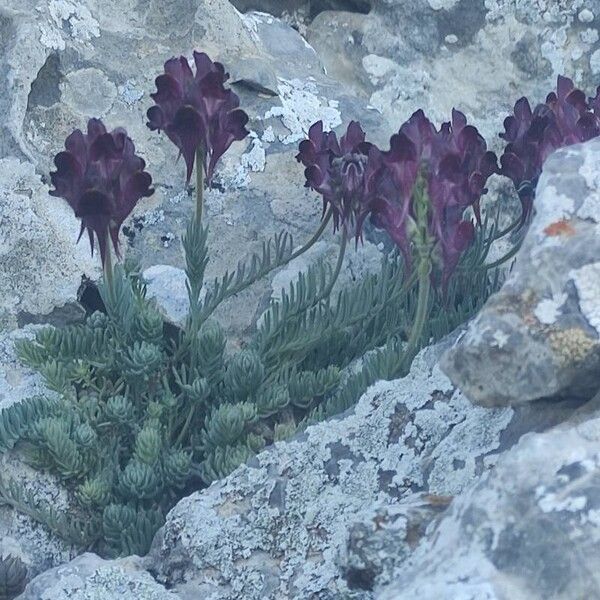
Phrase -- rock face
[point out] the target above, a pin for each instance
(528, 531)
(40, 268)
(365, 57)
(539, 336)
(88, 576)
(316, 517)
(408, 54)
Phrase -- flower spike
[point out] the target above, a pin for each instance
(197, 111)
(102, 179)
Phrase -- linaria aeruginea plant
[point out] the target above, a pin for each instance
(141, 416)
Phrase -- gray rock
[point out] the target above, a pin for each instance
(166, 286)
(40, 266)
(299, 520)
(539, 335)
(477, 55)
(527, 531)
(89, 577)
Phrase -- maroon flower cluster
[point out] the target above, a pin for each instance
(197, 110)
(356, 179)
(344, 172)
(102, 178)
(566, 118)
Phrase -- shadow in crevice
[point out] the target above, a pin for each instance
(310, 8)
(45, 88)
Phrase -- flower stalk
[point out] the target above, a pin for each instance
(200, 158)
(423, 245)
(108, 272)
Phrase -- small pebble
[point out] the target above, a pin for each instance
(586, 15)
(451, 39)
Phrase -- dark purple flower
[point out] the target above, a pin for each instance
(343, 172)
(452, 166)
(197, 110)
(565, 118)
(102, 179)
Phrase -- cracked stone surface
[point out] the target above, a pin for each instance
(316, 517)
(539, 336)
(529, 530)
(67, 60)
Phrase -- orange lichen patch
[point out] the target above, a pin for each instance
(562, 227)
(435, 500)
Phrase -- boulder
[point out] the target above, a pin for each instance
(529, 530)
(538, 337)
(89, 576)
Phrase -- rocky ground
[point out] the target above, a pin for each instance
(477, 475)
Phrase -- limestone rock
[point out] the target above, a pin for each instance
(166, 285)
(40, 266)
(279, 526)
(539, 335)
(89, 577)
(527, 531)
(475, 55)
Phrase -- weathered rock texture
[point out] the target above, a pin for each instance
(530, 530)
(88, 58)
(539, 335)
(310, 518)
(40, 267)
(477, 55)
(88, 577)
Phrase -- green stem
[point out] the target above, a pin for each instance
(324, 294)
(315, 238)
(416, 333)
(502, 259)
(338, 268)
(199, 182)
(260, 274)
(108, 270)
(186, 426)
(514, 225)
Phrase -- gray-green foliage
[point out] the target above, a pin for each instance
(13, 574)
(142, 415)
